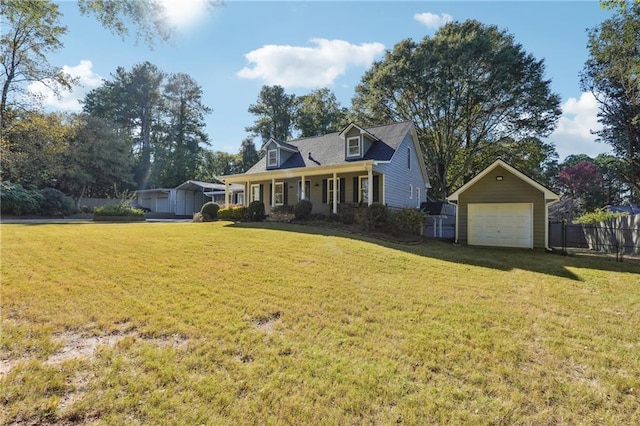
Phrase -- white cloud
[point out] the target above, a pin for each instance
(184, 14)
(68, 100)
(308, 67)
(431, 20)
(573, 134)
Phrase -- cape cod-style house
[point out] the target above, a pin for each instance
(357, 166)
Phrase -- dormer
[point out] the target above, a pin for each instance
(277, 153)
(357, 142)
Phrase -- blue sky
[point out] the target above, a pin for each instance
(235, 49)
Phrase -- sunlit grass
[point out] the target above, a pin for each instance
(214, 323)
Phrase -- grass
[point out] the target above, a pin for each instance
(214, 323)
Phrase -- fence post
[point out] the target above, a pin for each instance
(564, 237)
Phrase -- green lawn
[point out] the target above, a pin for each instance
(215, 323)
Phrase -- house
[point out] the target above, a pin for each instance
(187, 198)
(357, 166)
(503, 207)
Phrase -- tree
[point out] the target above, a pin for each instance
(532, 156)
(148, 16)
(248, 156)
(30, 30)
(32, 149)
(465, 88)
(97, 158)
(176, 155)
(583, 183)
(134, 101)
(613, 185)
(612, 74)
(218, 163)
(319, 113)
(275, 111)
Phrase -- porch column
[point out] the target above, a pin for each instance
(370, 186)
(336, 193)
(226, 194)
(303, 195)
(273, 192)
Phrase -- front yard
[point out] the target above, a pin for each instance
(215, 323)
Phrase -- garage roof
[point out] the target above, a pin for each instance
(548, 194)
(196, 185)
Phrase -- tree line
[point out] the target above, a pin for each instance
(473, 93)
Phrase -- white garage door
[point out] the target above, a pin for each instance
(501, 225)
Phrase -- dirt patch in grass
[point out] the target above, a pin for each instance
(79, 346)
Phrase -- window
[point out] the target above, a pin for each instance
(240, 198)
(410, 192)
(330, 191)
(364, 189)
(409, 158)
(279, 194)
(255, 192)
(417, 197)
(353, 147)
(272, 158)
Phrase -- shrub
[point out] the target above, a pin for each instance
(598, 215)
(56, 203)
(122, 209)
(348, 217)
(235, 213)
(14, 199)
(302, 209)
(282, 209)
(209, 211)
(407, 220)
(376, 216)
(255, 212)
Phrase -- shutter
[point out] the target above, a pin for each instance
(376, 186)
(286, 193)
(342, 189)
(270, 194)
(324, 191)
(261, 192)
(356, 190)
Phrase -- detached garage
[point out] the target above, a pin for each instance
(502, 207)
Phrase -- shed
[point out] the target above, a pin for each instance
(187, 198)
(503, 207)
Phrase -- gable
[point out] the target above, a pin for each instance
(496, 173)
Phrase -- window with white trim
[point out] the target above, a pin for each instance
(278, 194)
(410, 191)
(255, 192)
(240, 198)
(353, 147)
(272, 158)
(417, 197)
(363, 195)
(330, 189)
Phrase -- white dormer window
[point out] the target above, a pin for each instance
(353, 147)
(272, 158)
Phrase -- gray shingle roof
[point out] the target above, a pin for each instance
(330, 150)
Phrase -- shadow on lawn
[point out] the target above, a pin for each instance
(494, 258)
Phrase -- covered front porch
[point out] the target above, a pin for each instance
(326, 189)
